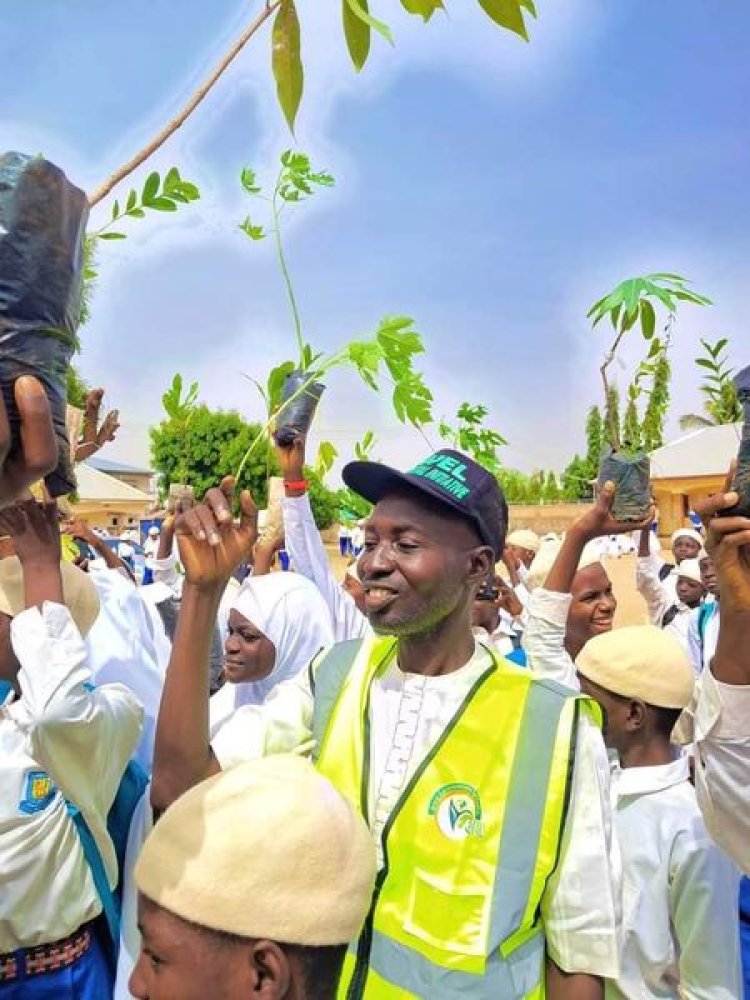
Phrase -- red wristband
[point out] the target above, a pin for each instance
(297, 484)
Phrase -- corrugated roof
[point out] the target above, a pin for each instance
(704, 452)
(106, 465)
(96, 485)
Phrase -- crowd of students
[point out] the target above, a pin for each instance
(445, 775)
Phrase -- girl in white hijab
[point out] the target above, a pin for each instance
(277, 624)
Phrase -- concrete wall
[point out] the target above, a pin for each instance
(542, 518)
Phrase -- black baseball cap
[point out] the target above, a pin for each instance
(453, 479)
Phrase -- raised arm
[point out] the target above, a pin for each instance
(647, 580)
(81, 530)
(211, 546)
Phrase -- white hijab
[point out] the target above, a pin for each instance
(290, 611)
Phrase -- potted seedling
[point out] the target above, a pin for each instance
(633, 303)
(471, 436)
(741, 479)
(293, 388)
(42, 225)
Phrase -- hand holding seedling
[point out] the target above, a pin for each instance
(36, 454)
(94, 436)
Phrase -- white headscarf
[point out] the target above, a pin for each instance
(290, 611)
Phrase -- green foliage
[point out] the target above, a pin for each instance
(471, 436)
(631, 427)
(363, 448)
(359, 22)
(654, 419)
(157, 195)
(551, 489)
(77, 389)
(327, 455)
(180, 412)
(286, 60)
(634, 299)
(324, 502)
(631, 302)
(209, 446)
(352, 507)
(594, 442)
(612, 410)
(721, 404)
(576, 479)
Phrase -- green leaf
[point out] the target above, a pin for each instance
(358, 9)
(287, 61)
(423, 8)
(276, 380)
(357, 33)
(249, 181)
(507, 13)
(112, 236)
(327, 455)
(132, 201)
(162, 204)
(115, 210)
(150, 188)
(648, 319)
(253, 232)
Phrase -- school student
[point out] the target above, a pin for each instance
(61, 742)
(680, 934)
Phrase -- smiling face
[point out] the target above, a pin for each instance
(593, 609)
(709, 577)
(421, 564)
(249, 655)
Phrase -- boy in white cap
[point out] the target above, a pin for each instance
(689, 588)
(680, 932)
(59, 740)
(687, 543)
(251, 885)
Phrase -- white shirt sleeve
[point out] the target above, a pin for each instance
(650, 587)
(694, 644)
(581, 906)
(165, 571)
(703, 905)
(82, 737)
(544, 637)
(310, 559)
(282, 724)
(721, 730)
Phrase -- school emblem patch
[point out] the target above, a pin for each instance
(39, 791)
(457, 809)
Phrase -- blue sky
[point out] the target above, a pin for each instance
(490, 189)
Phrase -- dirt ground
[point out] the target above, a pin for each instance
(631, 608)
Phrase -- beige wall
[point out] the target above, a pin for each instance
(111, 517)
(141, 481)
(542, 518)
(674, 497)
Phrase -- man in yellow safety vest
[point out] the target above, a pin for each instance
(486, 789)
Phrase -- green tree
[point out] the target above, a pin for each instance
(576, 480)
(720, 402)
(208, 448)
(351, 506)
(631, 427)
(324, 501)
(612, 411)
(594, 441)
(652, 427)
(551, 489)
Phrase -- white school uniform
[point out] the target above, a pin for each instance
(59, 740)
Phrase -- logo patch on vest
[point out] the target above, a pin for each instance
(457, 809)
(39, 791)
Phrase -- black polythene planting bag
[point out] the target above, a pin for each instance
(296, 417)
(632, 477)
(741, 480)
(42, 225)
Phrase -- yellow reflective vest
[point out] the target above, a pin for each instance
(473, 839)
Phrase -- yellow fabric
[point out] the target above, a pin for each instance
(437, 898)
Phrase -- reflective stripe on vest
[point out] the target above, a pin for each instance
(472, 841)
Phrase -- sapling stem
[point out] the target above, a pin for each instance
(286, 275)
(609, 357)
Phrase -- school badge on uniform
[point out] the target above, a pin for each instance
(457, 810)
(39, 791)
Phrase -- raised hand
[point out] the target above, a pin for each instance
(211, 544)
(37, 452)
(95, 436)
(292, 459)
(599, 522)
(728, 544)
(35, 530)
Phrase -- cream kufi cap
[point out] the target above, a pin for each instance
(641, 662)
(691, 569)
(545, 557)
(524, 538)
(267, 849)
(79, 593)
(688, 533)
